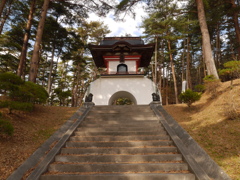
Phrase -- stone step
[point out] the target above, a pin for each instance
(122, 176)
(123, 150)
(86, 159)
(125, 122)
(118, 129)
(129, 125)
(121, 118)
(121, 108)
(119, 144)
(118, 168)
(132, 107)
(122, 143)
(119, 138)
(125, 112)
(114, 133)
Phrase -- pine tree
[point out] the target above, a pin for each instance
(26, 37)
(206, 44)
(35, 57)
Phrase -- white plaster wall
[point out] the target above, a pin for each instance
(131, 66)
(113, 66)
(140, 87)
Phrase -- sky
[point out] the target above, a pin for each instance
(128, 26)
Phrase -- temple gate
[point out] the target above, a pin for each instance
(123, 59)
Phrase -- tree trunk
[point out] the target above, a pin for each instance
(73, 89)
(218, 48)
(166, 89)
(2, 5)
(207, 50)
(153, 75)
(4, 18)
(173, 72)
(35, 57)
(160, 66)
(236, 25)
(155, 58)
(188, 69)
(25, 40)
(183, 60)
(49, 85)
(76, 87)
(53, 79)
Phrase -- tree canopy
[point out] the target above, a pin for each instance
(46, 42)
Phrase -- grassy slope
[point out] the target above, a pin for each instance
(207, 123)
(30, 131)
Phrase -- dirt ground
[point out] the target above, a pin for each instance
(209, 124)
(206, 122)
(31, 129)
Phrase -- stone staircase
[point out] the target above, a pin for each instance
(119, 142)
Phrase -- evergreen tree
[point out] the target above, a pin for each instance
(35, 57)
(206, 44)
(166, 23)
(128, 6)
(26, 37)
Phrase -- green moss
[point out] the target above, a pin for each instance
(6, 127)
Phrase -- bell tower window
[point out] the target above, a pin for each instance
(122, 69)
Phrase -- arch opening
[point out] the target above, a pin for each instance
(122, 69)
(122, 98)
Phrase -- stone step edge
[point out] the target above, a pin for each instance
(161, 135)
(115, 141)
(42, 163)
(118, 147)
(122, 133)
(121, 163)
(120, 168)
(130, 176)
(122, 154)
(117, 173)
(125, 141)
(122, 125)
(161, 140)
(126, 148)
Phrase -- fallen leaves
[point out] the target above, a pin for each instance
(30, 131)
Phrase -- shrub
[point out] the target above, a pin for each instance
(6, 127)
(199, 88)
(209, 78)
(189, 97)
(22, 106)
(15, 105)
(211, 84)
(21, 95)
(232, 106)
(62, 95)
(30, 92)
(123, 101)
(231, 70)
(9, 82)
(18, 90)
(4, 104)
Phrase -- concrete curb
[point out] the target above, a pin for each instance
(200, 162)
(38, 157)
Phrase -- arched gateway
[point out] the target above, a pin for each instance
(123, 59)
(122, 94)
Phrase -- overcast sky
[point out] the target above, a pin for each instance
(129, 26)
